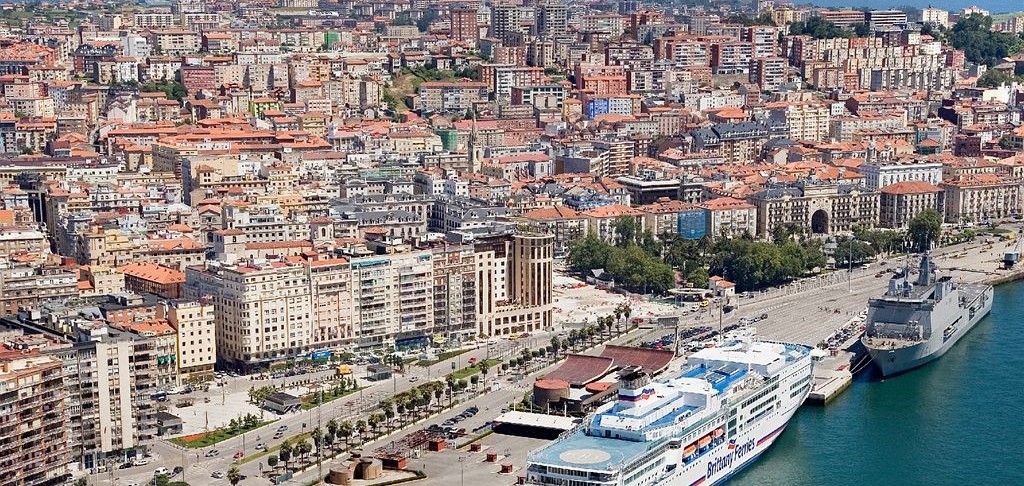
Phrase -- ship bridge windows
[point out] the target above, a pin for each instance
(644, 471)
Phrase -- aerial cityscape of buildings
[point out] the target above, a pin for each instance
(203, 185)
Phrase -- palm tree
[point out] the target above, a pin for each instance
(317, 435)
(627, 311)
(285, 453)
(360, 427)
(574, 336)
(329, 440)
(374, 420)
(332, 427)
(234, 475)
(704, 244)
(484, 368)
(400, 408)
(438, 393)
(415, 399)
(303, 449)
(345, 431)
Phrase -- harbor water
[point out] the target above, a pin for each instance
(957, 420)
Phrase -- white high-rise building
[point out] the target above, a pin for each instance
(935, 16)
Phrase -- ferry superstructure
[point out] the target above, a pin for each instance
(917, 321)
(701, 426)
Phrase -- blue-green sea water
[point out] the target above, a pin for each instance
(958, 420)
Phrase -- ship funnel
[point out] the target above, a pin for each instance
(633, 387)
(925, 274)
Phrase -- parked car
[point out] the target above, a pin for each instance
(260, 446)
(217, 475)
(161, 471)
(125, 465)
(413, 379)
(282, 428)
(140, 462)
(278, 435)
(212, 453)
(177, 470)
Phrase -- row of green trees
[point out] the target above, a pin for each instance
(642, 262)
(633, 261)
(820, 28)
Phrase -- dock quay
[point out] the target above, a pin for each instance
(835, 369)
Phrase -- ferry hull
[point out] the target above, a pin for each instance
(763, 436)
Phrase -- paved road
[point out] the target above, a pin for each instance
(796, 313)
(198, 470)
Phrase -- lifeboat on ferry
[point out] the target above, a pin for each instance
(717, 433)
(704, 441)
(689, 450)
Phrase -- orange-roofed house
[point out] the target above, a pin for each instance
(602, 219)
(900, 202)
(152, 278)
(980, 197)
(729, 217)
(565, 223)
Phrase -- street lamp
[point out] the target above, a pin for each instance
(462, 462)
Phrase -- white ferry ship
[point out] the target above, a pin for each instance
(702, 426)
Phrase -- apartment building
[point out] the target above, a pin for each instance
(845, 128)
(464, 27)
(195, 328)
(263, 310)
(514, 273)
(102, 400)
(843, 18)
(564, 223)
(819, 207)
(768, 72)
(150, 20)
(33, 423)
(735, 142)
(455, 292)
(152, 278)
(980, 197)
(881, 173)
(174, 42)
(29, 284)
(450, 95)
(901, 202)
(803, 121)
(729, 217)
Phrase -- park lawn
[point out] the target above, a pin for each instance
(441, 357)
(206, 439)
(328, 397)
(474, 369)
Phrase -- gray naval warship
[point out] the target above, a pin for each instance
(918, 321)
